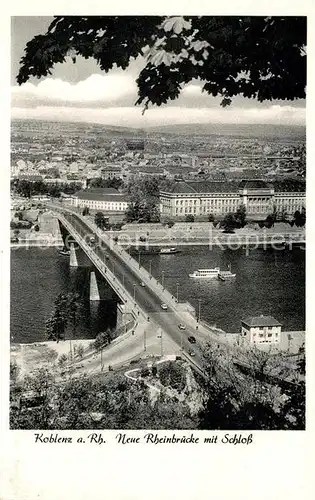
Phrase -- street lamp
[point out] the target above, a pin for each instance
(139, 258)
(163, 278)
(199, 308)
(150, 268)
(177, 285)
(134, 291)
(102, 366)
(161, 343)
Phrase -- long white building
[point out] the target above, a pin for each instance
(105, 199)
(201, 198)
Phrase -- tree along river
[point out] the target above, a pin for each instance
(267, 282)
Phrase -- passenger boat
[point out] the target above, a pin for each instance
(169, 250)
(205, 273)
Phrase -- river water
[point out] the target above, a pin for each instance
(267, 282)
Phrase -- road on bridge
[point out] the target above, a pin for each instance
(144, 296)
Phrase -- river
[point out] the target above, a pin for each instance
(267, 282)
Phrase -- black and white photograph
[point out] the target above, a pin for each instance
(158, 224)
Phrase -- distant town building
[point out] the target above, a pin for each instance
(219, 198)
(110, 172)
(135, 144)
(40, 197)
(261, 330)
(30, 177)
(107, 199)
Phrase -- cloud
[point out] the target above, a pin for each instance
(96, 88)
(109, 99)
(132, 116)
(192, 90)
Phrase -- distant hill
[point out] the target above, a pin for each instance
(72, 127)
(248, 130)
(192, 129)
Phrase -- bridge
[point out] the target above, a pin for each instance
(140, 294)
(153, 325)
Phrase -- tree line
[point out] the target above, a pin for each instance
(228, 397)
(28, 189)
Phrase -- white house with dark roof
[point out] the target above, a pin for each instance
(261, 330)
(105, 199)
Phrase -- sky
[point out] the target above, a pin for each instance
(82, 92)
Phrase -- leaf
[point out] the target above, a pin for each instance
(205, 54)
(226, 101)
(161, 57)
(176, 24)
(199, 45)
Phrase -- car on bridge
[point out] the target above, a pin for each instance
(192, 353)
(192, 339)
(164, 306)
(142, 284)
(181, 326)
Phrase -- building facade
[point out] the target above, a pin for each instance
(261, 330)
(105, 199)
(110, 172)
(200, 198)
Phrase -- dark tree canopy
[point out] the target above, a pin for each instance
(256, 57)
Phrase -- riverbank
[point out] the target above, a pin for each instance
(238, 242)
(48, 234)
(213, 237)
(40, 243)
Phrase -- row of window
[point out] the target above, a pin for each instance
(104, 205)
(289, 202)
(260, 335)
(204, 202)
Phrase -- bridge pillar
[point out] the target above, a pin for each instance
(73, 256)
(94, 293)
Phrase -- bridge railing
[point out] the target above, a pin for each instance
(143, 274)
(139, 270)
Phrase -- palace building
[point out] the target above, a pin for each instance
(200, 198)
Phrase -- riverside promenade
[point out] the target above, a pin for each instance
(203, 233)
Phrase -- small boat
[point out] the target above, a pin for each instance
(223, 275)
(205, 273)
(64, 251)
(169, 250)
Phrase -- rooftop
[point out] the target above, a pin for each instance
(254, 184)
(261, 321)
(30, 177)
(100, 194)
(181, 187)
(205, 186)
(100, 190)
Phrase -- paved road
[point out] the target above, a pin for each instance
(147, 299)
